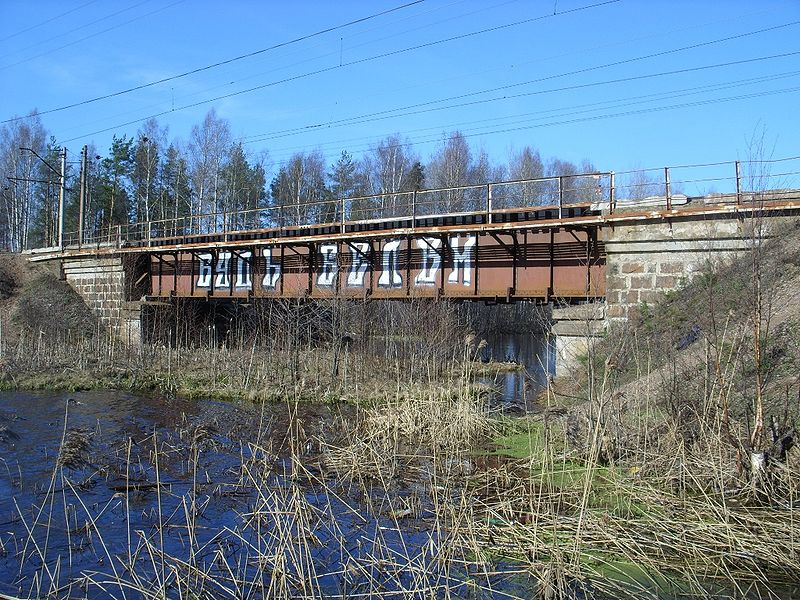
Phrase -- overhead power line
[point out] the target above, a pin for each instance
(394, 113)
(600, 117)
(327, 69)
(574, 111)
(220, 63)
(46, 21)
(84, 26)
(444, 40)
(574, 72)
(308, 74)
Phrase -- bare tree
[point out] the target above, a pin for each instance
(527, 164)
(389, 167)
(298, 189)
(150, 145)
(450, 167)
(575, 183)
(209, 147)
(19, 202)
(639, 184)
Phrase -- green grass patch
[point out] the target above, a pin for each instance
(518, 438)
(630, 577)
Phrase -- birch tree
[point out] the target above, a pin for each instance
(454, 165)
(21, 194)
(527, 164)
(389, 167)
(209, 147)
(298, 189)
(147, 155)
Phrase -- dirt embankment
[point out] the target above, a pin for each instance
(720, 354)
(33, 299)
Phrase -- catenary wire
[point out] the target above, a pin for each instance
(318, 71)
(369, 118)
(469, 133)
(467, 95)
(66, 33)
(574, 72)
(46, 21)
(217, 64)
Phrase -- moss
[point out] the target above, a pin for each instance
(631, 577)
(519, 445)
(517, 438)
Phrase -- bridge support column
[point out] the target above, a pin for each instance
(647, 260)
(101, 282)
(575, 328)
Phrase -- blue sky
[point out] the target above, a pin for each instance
(624, 84)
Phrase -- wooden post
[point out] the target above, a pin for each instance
(667, 188)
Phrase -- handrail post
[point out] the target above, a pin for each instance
(344, 199)
(489, 203)
(738, 183)
(667, 188)
(560, 196)
(611, 194)
(414, 209)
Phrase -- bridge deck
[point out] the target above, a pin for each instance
(538, 252)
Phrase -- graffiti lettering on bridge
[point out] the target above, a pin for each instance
(483, 265)
(220, 270)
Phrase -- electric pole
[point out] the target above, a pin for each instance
(61, 199)
(82, 196)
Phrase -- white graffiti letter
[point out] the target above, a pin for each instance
(272, 271)
(462, 260)
(244, 280)
(328, 271)
(390, 276)
(358, 264)
(431, 259)
(222, 270)
(204, 278)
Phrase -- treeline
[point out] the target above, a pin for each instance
(152, 178)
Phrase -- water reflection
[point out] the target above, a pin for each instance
(236, 512)
(535, 355)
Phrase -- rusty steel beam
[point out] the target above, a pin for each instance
(477, 266)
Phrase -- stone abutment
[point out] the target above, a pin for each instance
(107, 286)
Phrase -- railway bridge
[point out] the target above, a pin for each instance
(572, 242)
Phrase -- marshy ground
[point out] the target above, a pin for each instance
(382, 467)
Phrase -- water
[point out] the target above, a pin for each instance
(245, 516)
(517, 390)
